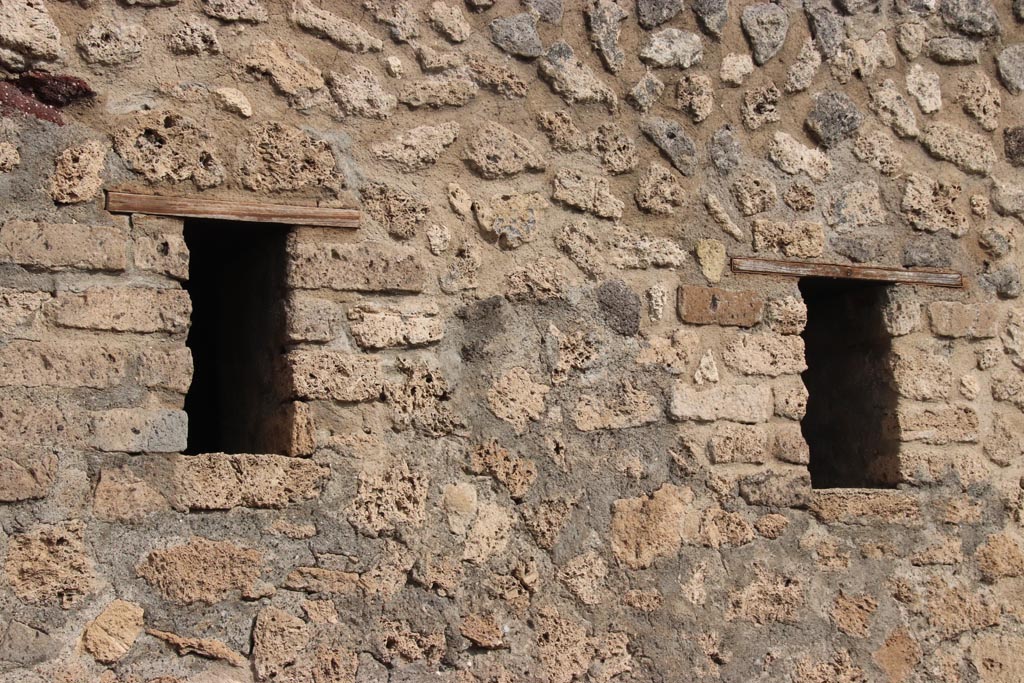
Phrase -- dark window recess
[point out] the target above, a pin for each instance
(236, 282)
(850, 396)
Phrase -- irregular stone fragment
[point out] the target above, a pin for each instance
(801, 74)
(952, 50)
(495, 76)
(792, 157)
(856, 206)
(1001, 556)
(111, 635)
(616, 149)
(587, 193)
(766, 26)
(980, 100)
(652, 13)
(420, 147)
(517, 399)
(673, 141)
(603, 22)
(648, 527)
(930, 205)
(517, 35)
(754, 194)
(658, 191)
(970, 152)
(9, 157)
(194, 37)
(399, 212)
(207, 648)
(736, 68)
(202, 570)
(389, 495)
(449, 90)
(163, 146)
(712, 258)
(249, 11)
(646, 92)
(450, 22)
(800, 239)
(76, 177)
(1013, 145)
(695, 95)
(111, 44)
(282, 158)
(490, 534)
(28, 35)
(278, 644)
(630, 250)
(724, 150)
(893, 109)
(548, 10)
(833, 118)
(360, 93)
(712, 15)
(494, 151)
(342, 32)
(878, 150)
(26, 474)
(827, 27)
(671, 47)
(970, 17)
(760, 106)
(48, 565)
(924, 86)
(290, 72)
(571, 79)
(1011, 68)
(619, 306)
(511, 219)
(400, 18)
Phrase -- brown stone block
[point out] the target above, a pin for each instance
(777, 487)
(334, 375)
(731, 443)
(58, 246)
(26, 474)
(973, 321)
(218, 481)
(363, 267)
(866, 507)
(741, 403)
(938, 425)
(139, 430)
(62, 364)
(129, 309)
(166, 367)
(713, 306)
(158, 246)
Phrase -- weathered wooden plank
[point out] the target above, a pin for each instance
(243, 211)
(935, 278)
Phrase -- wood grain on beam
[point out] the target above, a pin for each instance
(255, 212)
(936, 278)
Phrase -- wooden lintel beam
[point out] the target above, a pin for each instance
(935, 278)
(243, 211)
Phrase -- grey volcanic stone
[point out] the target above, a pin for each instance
(653, 13)
(926, 252)
(971, 17)
(549, 10)
(712, 15)
(1011, 68)
(603, 21)
(1004, 280)
(950, 50)
(620, 307)
(1013, 145)
(517, 35)
(673, 141)
(724, 150)
(766, 26)
(827, 27)
(833, 118)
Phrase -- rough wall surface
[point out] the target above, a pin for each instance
(527, 441)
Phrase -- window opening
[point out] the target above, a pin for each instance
(851, 399)
(236, 282)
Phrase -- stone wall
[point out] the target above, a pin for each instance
(536, 430)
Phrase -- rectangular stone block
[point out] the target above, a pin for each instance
(139, 430)
(789, 445)
(780, 486)
(334, 375)
(362, 267)
(866, 507)
(713, 306)
(217, 481)
(767, 354)
(62, 364)
(158, 246)
(167, 367)
(936, 424)
(32, 418)
(62, 246)
(750, 404)
(26, 474)
(972, 321)
(385, 327)
(128, 309)
(731, 443)
(20, 315)
(310, 319)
